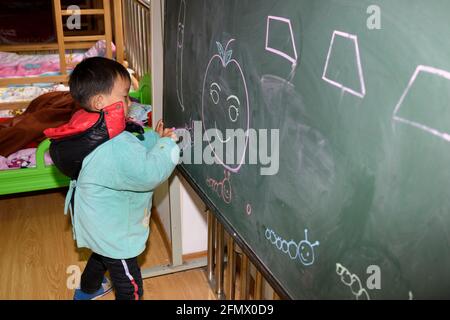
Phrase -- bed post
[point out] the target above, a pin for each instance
(118, 30)
(60, 36)
(108, 30)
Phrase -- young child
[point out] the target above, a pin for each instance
(113, 177)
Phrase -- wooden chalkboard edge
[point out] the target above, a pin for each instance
(276, 285)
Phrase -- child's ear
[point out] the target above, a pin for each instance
(97, 102)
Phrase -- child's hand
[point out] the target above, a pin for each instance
(160, 128)
(167, 132)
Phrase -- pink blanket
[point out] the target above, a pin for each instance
(17, 65)
(25, 158)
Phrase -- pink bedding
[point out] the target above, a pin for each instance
(25, 158)
(18, 65)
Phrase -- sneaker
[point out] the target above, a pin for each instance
(104, 289)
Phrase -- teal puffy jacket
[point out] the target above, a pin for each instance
(113, 198)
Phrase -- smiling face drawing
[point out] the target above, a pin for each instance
(306, 250)
(306, 253)
(225, 103)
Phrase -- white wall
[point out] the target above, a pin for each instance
(193, 220)
(162, 204)
(194, 227)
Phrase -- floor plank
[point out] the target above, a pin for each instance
(37, 248)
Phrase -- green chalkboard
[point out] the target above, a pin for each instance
(351, 197)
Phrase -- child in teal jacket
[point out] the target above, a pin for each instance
(113, 177)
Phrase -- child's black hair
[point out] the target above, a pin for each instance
(94, 76)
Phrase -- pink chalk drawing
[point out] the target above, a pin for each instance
(353, 38)
(248, 209)
(422, 69)
(225, 109)
(187, 141)
(179, 57)
(221, 188)
(273, 20)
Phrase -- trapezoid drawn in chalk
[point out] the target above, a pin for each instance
(293, 59)
(362, 92)
(421, 69)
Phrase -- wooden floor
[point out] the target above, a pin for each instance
(37, 248)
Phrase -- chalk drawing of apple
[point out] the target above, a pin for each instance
(225, 103)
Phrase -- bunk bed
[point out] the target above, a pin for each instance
(73, 41)
(18, 67)
(44, 175)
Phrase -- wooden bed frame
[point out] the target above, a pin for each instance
(73, 42)
(40, 177)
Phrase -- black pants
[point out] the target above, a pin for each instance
(125, 275)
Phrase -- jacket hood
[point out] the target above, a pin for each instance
(82, 120)
(72, 142)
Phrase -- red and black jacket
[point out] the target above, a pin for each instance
(72, 142)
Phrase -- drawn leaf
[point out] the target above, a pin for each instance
(228, 56)
(220, 48)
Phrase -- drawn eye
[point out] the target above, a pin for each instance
(233, 109)
(214, 92)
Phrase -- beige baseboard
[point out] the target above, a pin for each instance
(195, 255)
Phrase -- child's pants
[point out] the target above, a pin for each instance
(125, 275)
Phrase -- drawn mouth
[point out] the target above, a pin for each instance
(305, 256)
(218, 136)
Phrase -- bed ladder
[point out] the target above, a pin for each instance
(106, 12)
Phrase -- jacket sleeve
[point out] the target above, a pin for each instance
(131, 166)
(150, 139)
